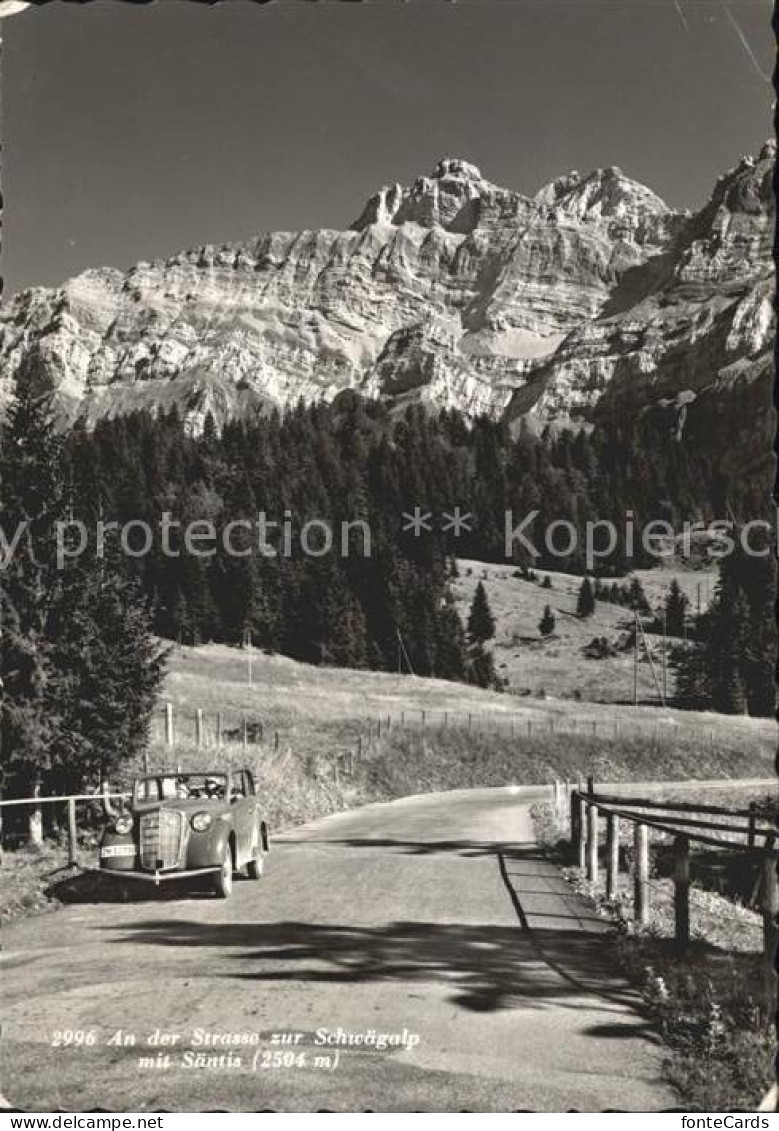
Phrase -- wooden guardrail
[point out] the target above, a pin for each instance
(70, 801)
(681, 821)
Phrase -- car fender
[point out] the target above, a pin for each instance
(121, 842)
(207, 849)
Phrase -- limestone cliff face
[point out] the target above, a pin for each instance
(696, 318)
(590, 298)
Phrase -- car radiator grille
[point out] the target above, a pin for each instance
(160, 840)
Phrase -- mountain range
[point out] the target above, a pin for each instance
(591, 301)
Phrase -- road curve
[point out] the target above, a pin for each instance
(433, 917)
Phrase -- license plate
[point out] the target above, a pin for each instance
(117, 850)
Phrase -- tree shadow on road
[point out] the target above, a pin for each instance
(467, 848)
(488, 967)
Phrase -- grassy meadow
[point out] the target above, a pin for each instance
(322, 739)
(322, 710)
(334, 738)
(556, 664)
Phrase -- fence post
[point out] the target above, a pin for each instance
(752, 824)
(612, 855)
(359, 747)
(592, 843)
(590, 785)
(275, 740)
(573, 816)
(199, 727)
(582, 831)
(35, 819)
(682, 889)
(72, 833)
(170, 737)
(245, 733)
(378, 727)
(770, 906)
(641, 874)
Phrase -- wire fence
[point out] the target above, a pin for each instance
(173, 725)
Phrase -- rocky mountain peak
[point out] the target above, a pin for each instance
(454, 167)
(602, 193)
(440, 200)
(449, 291)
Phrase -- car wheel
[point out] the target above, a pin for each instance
(255, 866)
(223, 883)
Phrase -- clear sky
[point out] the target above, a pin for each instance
(131, 132)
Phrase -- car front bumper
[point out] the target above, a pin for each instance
(156, 878)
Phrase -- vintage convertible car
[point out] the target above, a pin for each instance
(185, 825)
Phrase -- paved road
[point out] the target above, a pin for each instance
(434, 916)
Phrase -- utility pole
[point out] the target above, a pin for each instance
(402, 648)
(645, 642)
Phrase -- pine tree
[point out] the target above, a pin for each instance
(676, 605)
(480, 666)
(637, 598)
(33, 503)
(725, 649)
(450, 656)
(585, 602)
(546, 625)
(481, 622)
(108, 669)
(79, 664)
(689, 666)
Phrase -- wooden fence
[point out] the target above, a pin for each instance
(69, 802)
(714, 826)
(174, 726)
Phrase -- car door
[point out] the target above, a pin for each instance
(243, 815)
(252, 809)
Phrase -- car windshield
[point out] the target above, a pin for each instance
(172, 787)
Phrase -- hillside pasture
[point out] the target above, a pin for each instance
(557, 665)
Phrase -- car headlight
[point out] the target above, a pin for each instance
(123, 825)
(201, 821)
